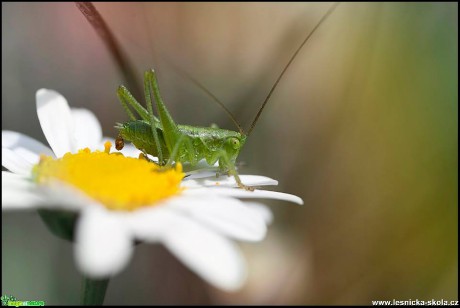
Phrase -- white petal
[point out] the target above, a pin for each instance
(103, 243)
(199, 174)
(15, 181)
(20, 200)
(229, 181)
(56, 121)
(88, 131)
(149, 224)
(205, 252)
(24, 146)
(65, 196)
(211, 256)
(18, 193)
(226, 215)
(262, 210)
(241, 193)
(15, 163)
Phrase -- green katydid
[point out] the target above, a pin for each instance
(170, 142)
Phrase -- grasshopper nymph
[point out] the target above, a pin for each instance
(170, 142)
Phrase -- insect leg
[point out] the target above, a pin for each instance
(232, 170)
(127, 99)
(170, 131)
(151, 119)
(183, 139)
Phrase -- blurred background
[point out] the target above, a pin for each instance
(363, 127)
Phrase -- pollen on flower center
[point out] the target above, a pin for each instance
(118, 182)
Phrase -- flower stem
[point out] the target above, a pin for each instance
(93, 291)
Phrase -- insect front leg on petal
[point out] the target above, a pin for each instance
(228, 166)
(232, 171)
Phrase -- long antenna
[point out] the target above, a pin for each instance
(331, 9)
(209, 93)
(189, 77)
(98, 23)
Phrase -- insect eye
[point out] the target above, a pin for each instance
(235, 143)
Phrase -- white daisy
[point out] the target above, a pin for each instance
(119, 200)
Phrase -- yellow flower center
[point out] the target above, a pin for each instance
(118, 182)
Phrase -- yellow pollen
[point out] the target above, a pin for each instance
(107, 146)
(118, 182)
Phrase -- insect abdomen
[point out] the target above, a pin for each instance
(139, 133)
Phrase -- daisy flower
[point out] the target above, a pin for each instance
(118, 200)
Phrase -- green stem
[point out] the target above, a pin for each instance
(93, 291)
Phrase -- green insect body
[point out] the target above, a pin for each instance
(208, 142)
(170, 142)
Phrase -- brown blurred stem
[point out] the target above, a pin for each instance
(98, 23)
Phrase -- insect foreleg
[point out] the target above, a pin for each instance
(223, 156)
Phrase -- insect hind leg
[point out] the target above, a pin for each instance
(127, 100)
(148, 87)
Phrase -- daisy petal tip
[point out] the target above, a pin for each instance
(299, 201)
(296, 200)
(43, 96)
(99, 265)
(89, 134)
(211, 256)
(103, 245)
(41, 92)
(56, 121)
(233, 286)
(281, 196)
(233, 283)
